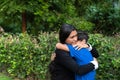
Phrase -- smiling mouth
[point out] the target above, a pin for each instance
(74, 42)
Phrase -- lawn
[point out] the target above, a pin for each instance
(3, 77)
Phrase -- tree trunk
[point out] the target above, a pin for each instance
(24, 22)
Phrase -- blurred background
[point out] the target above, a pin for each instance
(29, 32)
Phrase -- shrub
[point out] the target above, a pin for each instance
(109, 62)
(81, 24)
(25, 56)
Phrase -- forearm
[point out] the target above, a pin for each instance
(62, 46)
(94, 52)
(84, 69)
(67, 61)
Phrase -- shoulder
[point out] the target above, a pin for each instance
(84, 49)
(61, 53)
(58, 51)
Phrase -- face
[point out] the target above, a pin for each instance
(72, 38)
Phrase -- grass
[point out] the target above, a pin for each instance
(3, 77)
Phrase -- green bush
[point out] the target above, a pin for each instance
(81, 24)
(109, 62)
(25, 56)
(105, 16)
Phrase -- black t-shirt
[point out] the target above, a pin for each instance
(64, 67)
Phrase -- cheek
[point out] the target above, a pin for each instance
(76, 38)
(69, 41)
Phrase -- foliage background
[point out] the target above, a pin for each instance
(47, 15)
(24, 56)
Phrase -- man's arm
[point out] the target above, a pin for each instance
(64, 59)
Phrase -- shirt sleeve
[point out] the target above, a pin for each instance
(71, 50)
(94, 52)
(63, 58)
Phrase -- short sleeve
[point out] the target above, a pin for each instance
(71, 50)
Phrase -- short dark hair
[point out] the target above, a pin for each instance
(65, 31)
(83, 35)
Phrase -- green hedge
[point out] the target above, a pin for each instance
(25, 56)
(109, 61)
